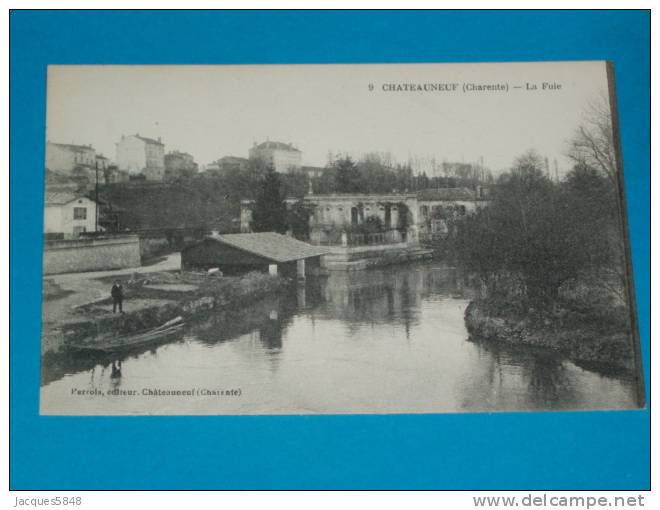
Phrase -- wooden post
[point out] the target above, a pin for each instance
(300, 266)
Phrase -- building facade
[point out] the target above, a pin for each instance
(439, 208)
(179, 165)
(141, 156)
(364, 218)
(232, 163)
(68, 214)
(282, 157)
(264, 251)
(65, 158)
(356, 219)
(101, 162)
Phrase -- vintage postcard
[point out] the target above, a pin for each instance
(335, 239)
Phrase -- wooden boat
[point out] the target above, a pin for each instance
(129, 341)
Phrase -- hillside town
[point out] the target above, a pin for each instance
(107, 213)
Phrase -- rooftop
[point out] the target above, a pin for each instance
(360, 196)
(73, 147)
(58, 179)
(270, 245)
(446, 194)
(230, 159)
(179, 154)
(148, 140)
(277, 145)
(61, 197)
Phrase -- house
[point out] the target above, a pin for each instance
(389, 218)
(141, 156)
(102, 163)
(65, 158)
(179, 165)
(229, 163)
(353, 218)
(226, 164)
(263, 251)
(282, 157)
(439, 206)
(68, 214)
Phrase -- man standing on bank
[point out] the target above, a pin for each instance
(117, 294)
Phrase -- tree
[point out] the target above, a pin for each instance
(243, 183)
(592, 147)
(376, 174)
(298, 220)
(423, 181)
(593, 223)
(347, 176)
(539, 235)
(296, 183)
(593, 142)
(270, 214)
(326, 183)
(404, 176)
(519, 235)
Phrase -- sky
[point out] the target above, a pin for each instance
(213, 111)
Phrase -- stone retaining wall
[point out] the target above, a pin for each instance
(100, 254)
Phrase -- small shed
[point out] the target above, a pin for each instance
(262, 251)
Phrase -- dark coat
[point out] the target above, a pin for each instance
(117, 292)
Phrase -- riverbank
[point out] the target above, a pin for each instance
(359, 258)
(151, 300)
(393, 339)
(583, 336)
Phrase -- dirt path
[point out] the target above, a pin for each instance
(85, 288)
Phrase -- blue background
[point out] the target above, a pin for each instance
(560, 450)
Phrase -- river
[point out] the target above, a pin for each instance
(391, 340)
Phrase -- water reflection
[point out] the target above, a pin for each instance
(541, 377)
(390, 340)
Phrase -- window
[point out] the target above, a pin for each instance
(79, 213)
